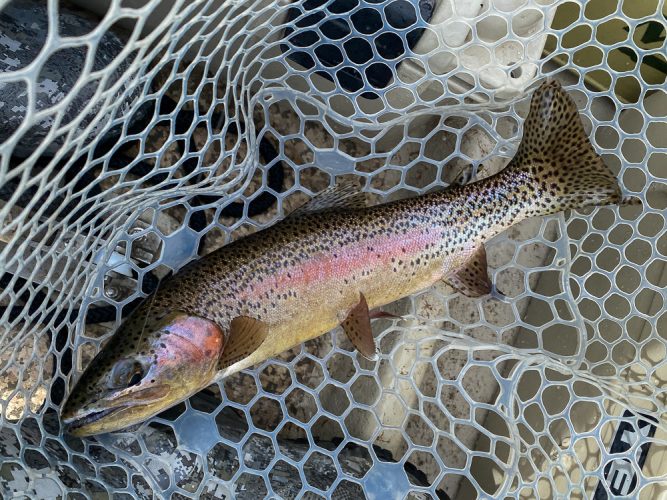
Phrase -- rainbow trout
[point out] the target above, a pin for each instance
(330, 263)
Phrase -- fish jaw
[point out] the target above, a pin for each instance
(183, 359)
(90, 423)
(107, 415)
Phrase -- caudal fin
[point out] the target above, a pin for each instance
(563, 167)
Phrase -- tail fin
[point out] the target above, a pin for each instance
(565, 170)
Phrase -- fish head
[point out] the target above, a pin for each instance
(149, 365)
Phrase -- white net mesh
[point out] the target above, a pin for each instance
(144, 134)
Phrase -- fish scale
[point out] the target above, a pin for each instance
(327, 265)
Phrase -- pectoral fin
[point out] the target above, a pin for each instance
(245, 336)
(472, 279)
(357, 326)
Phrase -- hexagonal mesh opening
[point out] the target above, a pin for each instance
(164, 130)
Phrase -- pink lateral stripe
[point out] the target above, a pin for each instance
(349, 261)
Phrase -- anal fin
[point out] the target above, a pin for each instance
(357, 326)
(472, 279)
(245, 336)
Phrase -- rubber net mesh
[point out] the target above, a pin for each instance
(139, 135)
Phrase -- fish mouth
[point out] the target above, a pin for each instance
(97, 420)
(78, 422)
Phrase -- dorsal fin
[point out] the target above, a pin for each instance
(343, 195)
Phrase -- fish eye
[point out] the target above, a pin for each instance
(136, 378)
(127, 373)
